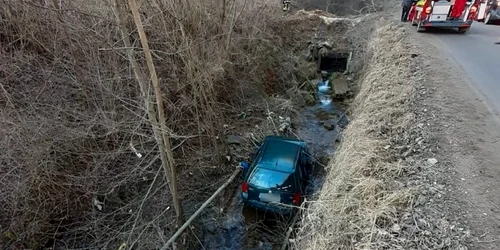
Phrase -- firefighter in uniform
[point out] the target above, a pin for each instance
(286, 5)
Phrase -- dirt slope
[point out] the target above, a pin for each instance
(467, 136)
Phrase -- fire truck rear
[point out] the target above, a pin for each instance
(439, 14)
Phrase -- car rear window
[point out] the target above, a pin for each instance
(267, 179)
(280, 155)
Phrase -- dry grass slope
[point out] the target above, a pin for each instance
(70, 109)
(361, 200)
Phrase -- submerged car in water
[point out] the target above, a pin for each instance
(277, 178)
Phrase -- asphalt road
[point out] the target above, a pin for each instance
(478, 55)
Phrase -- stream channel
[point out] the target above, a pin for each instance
(246, 228)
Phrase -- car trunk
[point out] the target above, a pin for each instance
(272, 187)
(270, 195)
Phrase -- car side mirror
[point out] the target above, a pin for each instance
(244, 165)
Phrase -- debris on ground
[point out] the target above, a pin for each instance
(340, 86)
(432, 161)
(234, 139)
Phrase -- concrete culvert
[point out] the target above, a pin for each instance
(333, 62)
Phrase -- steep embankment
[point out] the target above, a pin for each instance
(377, 184)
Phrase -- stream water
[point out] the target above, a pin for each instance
(245, 228)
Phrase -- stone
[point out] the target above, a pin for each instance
(211, 228)
(234, 139)
(329, 127)
(432, 161)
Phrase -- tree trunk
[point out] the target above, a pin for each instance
(161, 138)
(169, 164)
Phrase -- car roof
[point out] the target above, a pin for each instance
(279, 154)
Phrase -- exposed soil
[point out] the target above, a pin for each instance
(464, 138)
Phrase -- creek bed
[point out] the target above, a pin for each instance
(245, 228)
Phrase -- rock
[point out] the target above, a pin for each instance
(432, 161)
(210, 227)
(228, 225)
(234, 139)
(396, 228)
(329, 127)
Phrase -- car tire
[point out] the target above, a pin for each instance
(487, 19)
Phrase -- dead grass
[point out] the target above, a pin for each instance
(361, 202)
(71, 115)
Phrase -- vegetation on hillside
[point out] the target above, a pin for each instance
(79, 161)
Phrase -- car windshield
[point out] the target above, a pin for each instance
(267, 179)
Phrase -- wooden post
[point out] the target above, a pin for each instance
(169, 165)
(143, 84)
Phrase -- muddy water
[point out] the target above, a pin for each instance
(245, 228)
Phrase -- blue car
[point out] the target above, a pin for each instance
(277, 178)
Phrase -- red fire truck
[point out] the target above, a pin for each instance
(489, 12)
(443, 14)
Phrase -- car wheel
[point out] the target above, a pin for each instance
(487, 19)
